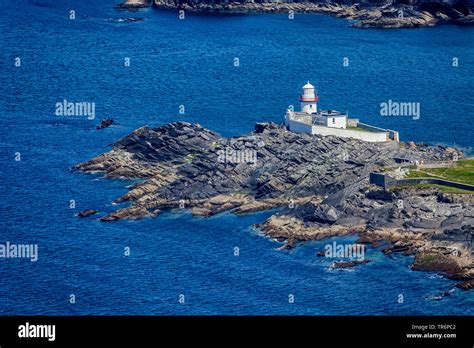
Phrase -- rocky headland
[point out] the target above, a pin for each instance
(362, 14)
(134, 5)
(319, 185)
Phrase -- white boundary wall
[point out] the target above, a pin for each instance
(300, 127)
(374, 137)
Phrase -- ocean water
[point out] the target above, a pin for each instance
(191, 62)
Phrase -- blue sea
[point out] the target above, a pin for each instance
(191, 62)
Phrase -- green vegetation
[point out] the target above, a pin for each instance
(241, 193)
(427, 259)
(462, 171)
(359, 129)
(441, 188)
(189, 157)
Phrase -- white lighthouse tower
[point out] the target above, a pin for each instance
(309, 99)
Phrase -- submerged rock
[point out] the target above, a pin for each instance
(349, 264)
(466, 285)
(106, 122)
(86, 213)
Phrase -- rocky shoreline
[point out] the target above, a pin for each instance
(364, 14)
(320, 185)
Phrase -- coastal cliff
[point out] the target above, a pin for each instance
(319, 183)
(362, 14)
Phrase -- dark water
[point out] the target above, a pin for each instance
(191, 62)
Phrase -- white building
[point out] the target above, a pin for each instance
(331, 122)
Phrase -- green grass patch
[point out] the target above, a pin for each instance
(418, 174)
(189, 157)
(462, 171)
(441, 188)
(241, 193)
(428, 259)
(359, 129)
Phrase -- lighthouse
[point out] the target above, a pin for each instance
(310, 120)
(309, 99)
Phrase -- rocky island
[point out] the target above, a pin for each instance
(320, 185)
(361, 14)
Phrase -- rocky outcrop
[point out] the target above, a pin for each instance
(106, 122)
(133, 212)
(133, 5)
(363, 14)
(397, 17)
(437, 262)
(182, 164)
(466, 285)
(87, 213)
(319, 184)
(349, 264)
